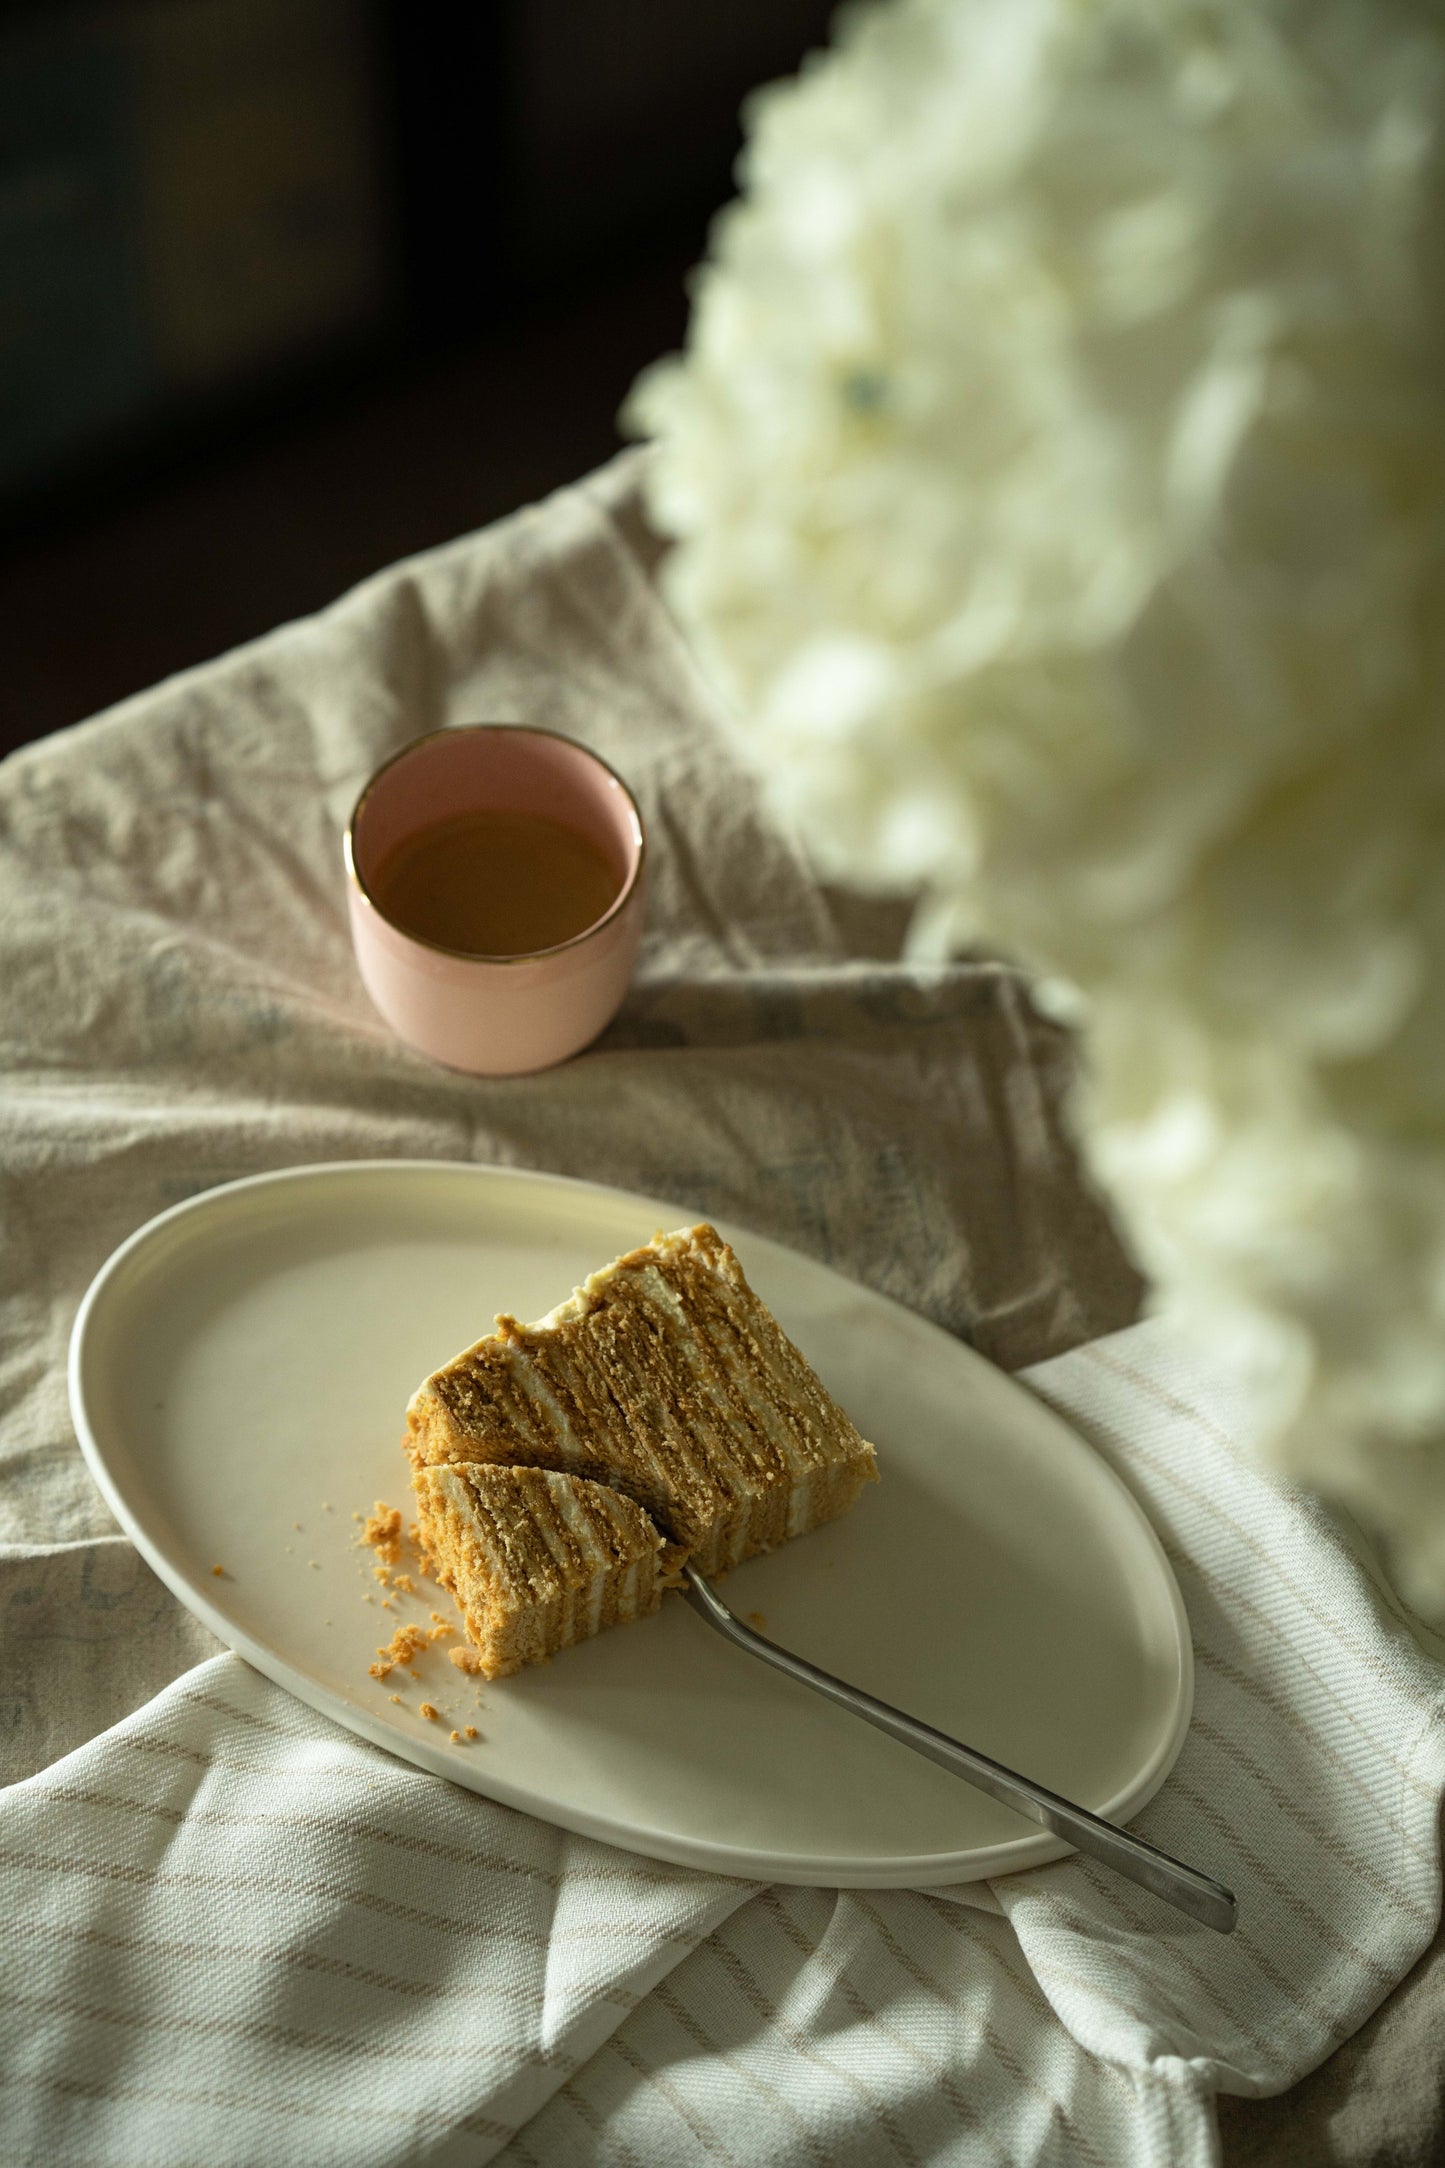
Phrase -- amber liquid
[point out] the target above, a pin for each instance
(495, 884)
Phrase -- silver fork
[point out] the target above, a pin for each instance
(1198, 1894)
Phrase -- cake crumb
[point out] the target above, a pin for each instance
(756, 1618)
(455, 1737)
(433, 1716)
(439, 1633)
(471, 1731)
(405, 1643)
(438, 1618)
(380, 1573)
(383, 1532)
(219, 1572)
(397, 1699)
(404, 1582)
(466, 1660)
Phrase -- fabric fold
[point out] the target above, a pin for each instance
(248, 1935)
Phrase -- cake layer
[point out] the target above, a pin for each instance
(665, 1378)
(536, 1560)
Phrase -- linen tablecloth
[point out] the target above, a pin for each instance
(237, 1933)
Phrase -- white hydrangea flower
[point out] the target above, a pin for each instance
(1058, 466)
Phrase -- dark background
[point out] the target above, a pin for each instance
(289, 288)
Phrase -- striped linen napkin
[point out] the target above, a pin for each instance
(238, 1934)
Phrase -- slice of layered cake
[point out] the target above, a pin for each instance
(536, 1560)
(663, 1379)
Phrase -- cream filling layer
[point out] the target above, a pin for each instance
(539, 1392)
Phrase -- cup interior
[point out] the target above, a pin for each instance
(500, 768)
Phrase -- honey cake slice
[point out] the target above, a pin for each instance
(536, 1560)
(667, 1379)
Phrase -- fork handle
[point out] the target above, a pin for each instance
(1198, 1894)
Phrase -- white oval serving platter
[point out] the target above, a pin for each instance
(239, 1374)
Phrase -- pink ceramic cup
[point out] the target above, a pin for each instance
(496, 1015)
